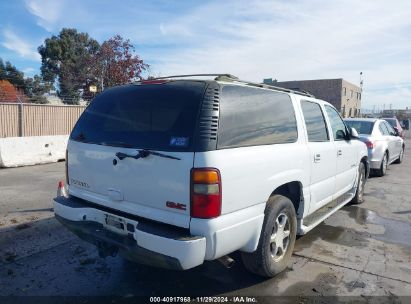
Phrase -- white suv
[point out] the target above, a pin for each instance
(171, 172)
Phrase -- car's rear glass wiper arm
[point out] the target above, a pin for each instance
(143, 154)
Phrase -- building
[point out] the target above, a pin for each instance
(345, 96)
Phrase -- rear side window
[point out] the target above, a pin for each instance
(314, 120)
(152, 116)
(251, 116)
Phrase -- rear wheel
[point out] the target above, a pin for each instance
(359, 194)
(400, 157)
(277, 239)
(384, 164)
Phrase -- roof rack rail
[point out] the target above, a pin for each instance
(229, 76)
(271, 87)
(232, 78)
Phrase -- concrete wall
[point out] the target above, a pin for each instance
(32, 150)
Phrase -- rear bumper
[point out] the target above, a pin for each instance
(143, 241)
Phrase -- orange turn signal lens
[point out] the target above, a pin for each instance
(205, 176)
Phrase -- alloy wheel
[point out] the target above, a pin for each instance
(280, 238)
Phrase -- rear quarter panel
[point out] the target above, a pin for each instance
(250, 174)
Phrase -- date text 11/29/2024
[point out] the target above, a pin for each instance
(222, 299)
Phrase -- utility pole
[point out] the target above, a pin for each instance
(360, 97)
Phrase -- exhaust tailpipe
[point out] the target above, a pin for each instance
(226, 261)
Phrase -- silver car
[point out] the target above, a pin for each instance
(384, 144)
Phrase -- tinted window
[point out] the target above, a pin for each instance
(391, 121)
(383, 129)
(390, 129)
(362, 127)
(314, 120)
(156, 116)
(251, 116)
(337, 124)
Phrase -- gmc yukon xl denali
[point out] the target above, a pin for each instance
(175, 171)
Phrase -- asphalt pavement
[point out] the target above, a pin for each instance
(362, 251)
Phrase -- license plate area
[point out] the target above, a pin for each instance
(115, 223)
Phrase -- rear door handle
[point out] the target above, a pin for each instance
(317, 158)
(339, 153)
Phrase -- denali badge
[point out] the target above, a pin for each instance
(79, 183)
(176, 205)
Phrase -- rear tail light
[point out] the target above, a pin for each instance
(205, 193)
(369, 144)
(66, 165)
(61, 190)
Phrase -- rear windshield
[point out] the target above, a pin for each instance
(362, 127)
(150, 116)
(391, 121)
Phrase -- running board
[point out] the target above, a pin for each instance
(308, 223)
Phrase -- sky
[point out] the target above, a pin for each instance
(283, 40)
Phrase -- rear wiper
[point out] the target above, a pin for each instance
(116, 144)
(143, 154)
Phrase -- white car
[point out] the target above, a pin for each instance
(174, 171)
(385, 145)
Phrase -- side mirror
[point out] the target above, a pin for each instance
(340, 134)
(354, 133)
(397, 133)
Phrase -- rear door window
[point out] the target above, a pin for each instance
(252, 116)
(314, 121)
(150, 116)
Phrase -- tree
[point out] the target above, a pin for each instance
(10, 73)
(115, 63)
(65, 58)
(36, 88)
(9, 93)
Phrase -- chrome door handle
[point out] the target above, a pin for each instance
(339, 153)
(317, 158)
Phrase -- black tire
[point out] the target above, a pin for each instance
(269, 260)
(399, 159)
(359, 194)
(384, 165)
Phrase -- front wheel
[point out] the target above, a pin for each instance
(277, 239)
(359, 194)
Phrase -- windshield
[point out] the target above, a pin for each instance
(362, 127)
(152, 116)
